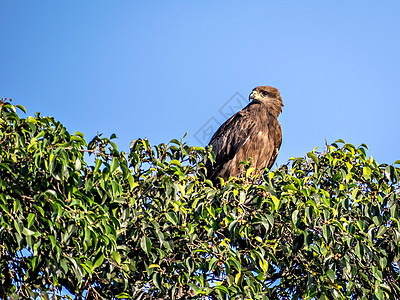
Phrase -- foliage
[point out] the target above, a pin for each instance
(149, 226)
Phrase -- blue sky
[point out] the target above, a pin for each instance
(158, 69)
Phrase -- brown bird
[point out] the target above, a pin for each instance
(252, 132)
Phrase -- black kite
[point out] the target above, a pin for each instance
(252, 132)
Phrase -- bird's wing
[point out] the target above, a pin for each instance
(233, 135)
(275, 136)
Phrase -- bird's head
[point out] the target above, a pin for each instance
(267, 95)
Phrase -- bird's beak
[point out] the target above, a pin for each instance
(252, 96)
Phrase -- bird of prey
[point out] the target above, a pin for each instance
(252, 132)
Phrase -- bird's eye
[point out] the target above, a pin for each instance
(264, 93)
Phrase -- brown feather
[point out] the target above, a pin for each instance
(252, 132)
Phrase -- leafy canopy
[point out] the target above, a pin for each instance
(147, 225)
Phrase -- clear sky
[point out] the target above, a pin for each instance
(158, 69)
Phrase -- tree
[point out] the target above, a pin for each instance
(148, 225)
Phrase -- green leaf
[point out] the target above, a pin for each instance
(331, 275)
(76, 268)
(326, 232)
(379, 294)
(222, 289)
(377, 220)
(390, 173)
(249, 171)
(276, 202)
(154, 266)
(114, 165)
(367, 172)
(132, 183)
(232, 227)
(359, 251)
(313, 157)
(238, 278)
(270, 219)
(53, 241)
(212, 263)
(294, 217)
(5, 167)
(235, 263)
(290, 187)
(27, 232)
(31, 219)
(39, 209)
(354, 193)
(21, 108)
(71, 229)
(145, 243)
(116, 256)
(189, 264)
(382, 230)
(98, 261)
(175, 162)
(172, 217)
(115, 187)
(383, 262)
(337, 176)
(157, 280)
(97, 167)
(123, 296)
